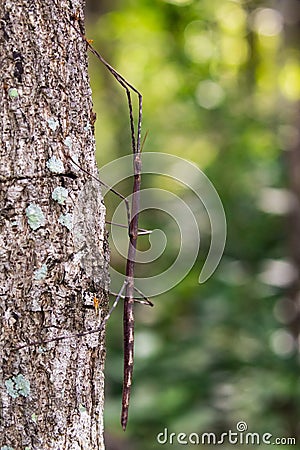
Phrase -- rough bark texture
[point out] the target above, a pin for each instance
(53, 258)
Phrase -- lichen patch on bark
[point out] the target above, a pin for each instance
(52, 241)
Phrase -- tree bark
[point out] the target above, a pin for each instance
(53, 253)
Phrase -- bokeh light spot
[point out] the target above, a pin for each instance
(198, 44)
(278, 273)
(267, 21)
(232, 17)
(282, 342)
(209, 94)
(289, 80)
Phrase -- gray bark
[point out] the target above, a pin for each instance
(53, 253)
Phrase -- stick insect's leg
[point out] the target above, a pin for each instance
(141, 230)
(84, 333)
(127, 86)
(108, 187)
(114, 305)
(146, 301)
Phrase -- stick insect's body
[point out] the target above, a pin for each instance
(128, 315)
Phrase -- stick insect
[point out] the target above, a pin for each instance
(133, 231)
(128, 287)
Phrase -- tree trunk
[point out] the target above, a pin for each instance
(53, 253)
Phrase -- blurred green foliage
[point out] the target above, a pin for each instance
(219, 80)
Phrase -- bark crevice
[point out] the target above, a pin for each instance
(53, 252)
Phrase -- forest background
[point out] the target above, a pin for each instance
(221, 87)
